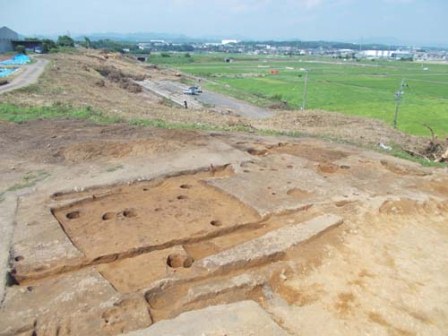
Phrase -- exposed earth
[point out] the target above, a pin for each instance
(110, 229)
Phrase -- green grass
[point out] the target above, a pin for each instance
(14, 113)
(18, 114)
(114, 168)
(178, 58)
(399, 153)
(159, 123)
(28, 180)
(364, 88)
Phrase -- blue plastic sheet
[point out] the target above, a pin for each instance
(17, 60)
(5, 72)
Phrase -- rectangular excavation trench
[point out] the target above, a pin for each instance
(143, 216)
(131, 231)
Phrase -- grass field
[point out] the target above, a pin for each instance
(364, 88)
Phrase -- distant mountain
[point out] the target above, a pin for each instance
(392, 41)
(177, 38)
(380, 40)
(375, 42)
(139, 37)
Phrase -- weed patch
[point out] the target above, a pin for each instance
(15, 113)
(29, 180)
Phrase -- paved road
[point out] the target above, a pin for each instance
(245, 109)
(29, 74)
(174, 91)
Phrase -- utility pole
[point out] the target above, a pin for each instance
(398, 95)
(305, 88)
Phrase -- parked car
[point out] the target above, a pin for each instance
(193, 90)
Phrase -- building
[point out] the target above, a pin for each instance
(30, 45)
(375, 54)
(224, 42)
(389, 54)
(6, 37)
(151, 44)
(403, 55)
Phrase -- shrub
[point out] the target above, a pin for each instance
(66, 41)
(21, 49)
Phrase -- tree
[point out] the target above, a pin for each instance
(20, 49)
(66, 41)
(87, 42)
(48, 45)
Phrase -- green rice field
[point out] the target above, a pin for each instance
(366, 88)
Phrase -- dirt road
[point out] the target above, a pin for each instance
(29, 74)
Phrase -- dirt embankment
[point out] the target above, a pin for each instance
(105, 82)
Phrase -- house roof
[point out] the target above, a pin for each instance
(6, 29)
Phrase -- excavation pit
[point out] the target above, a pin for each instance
(179, 260)
(152, 215)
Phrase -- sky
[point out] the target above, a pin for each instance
(406, 21)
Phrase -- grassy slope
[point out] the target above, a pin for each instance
(364, 89)
(19, 114)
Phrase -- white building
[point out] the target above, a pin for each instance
(224, 42)
(376, 53)
(392, 54)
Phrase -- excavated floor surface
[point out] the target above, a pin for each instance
(151, 216)
(326, 238)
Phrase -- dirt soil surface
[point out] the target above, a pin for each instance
(111, 229)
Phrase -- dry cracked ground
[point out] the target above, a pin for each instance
(118, 229)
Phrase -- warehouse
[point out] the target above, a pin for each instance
(6, 37)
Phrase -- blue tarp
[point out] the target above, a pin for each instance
(17, 60)
(5, 72)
